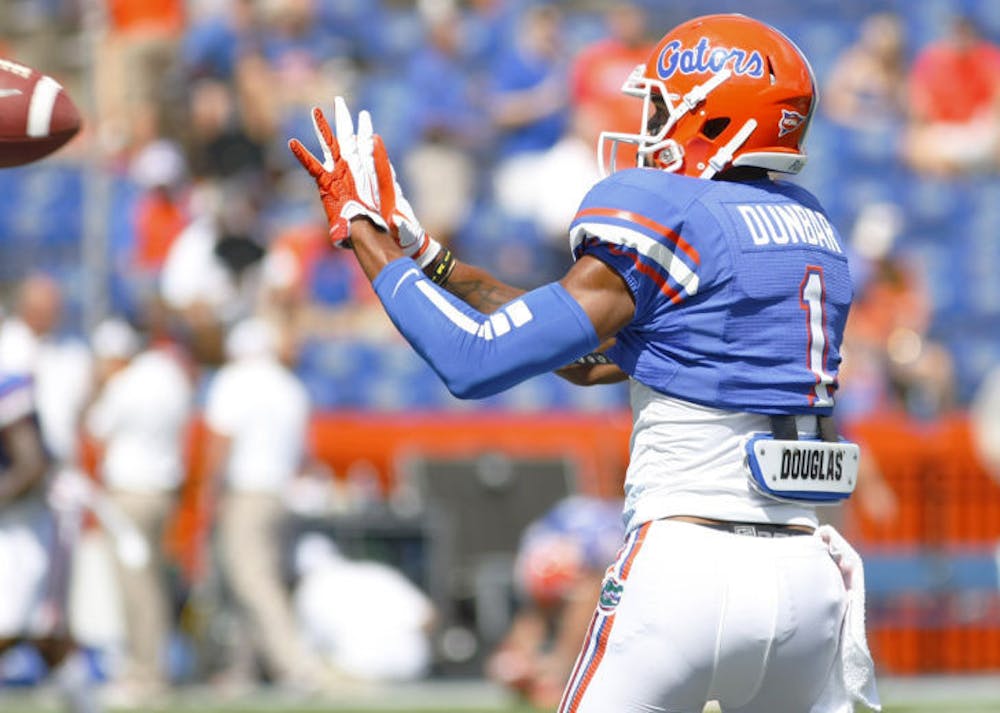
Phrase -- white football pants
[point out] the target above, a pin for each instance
(690, 614)
(27, 534)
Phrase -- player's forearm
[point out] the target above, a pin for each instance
(374, 248)
(592, 374)
(473, 285)
(479, 289)
(476, 354)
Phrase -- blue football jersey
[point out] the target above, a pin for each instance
(741, 289)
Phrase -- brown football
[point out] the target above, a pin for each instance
(36, 114)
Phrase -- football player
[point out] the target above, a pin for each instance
(558, 573)
(32, 608)
(721, 293)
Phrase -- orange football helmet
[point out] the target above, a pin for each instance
(719, 91)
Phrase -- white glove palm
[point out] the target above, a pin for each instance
(398, 213)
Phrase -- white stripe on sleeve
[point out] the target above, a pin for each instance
(645, 246)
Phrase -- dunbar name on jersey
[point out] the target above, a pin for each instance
(737, 288)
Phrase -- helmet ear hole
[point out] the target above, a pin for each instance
(713, 127)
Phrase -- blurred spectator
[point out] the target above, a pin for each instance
(600, 70)
(257, 413)
(136, 53)
(298, 60)
(529, 100)
(211, 275)
(296, 40)
(920, 372)
(529, 106)
(34, 566)
(546, 187)
(866, 88)
(139, 422)
(313, 291)
(161, 212)
(954, 104)
(219, 145)
(160, 170)
(558, 571)
(32, 342)
(214, 43)
(889, 328)
(287, 271)
(487, 27)
(447, 125)
(377, 628)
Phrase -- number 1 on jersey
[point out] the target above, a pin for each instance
(812, 293)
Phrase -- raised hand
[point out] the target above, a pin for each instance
(345, 177)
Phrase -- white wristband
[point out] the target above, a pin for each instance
(424, 252)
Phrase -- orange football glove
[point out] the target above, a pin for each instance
(344, 181)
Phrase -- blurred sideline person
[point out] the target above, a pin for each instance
(364, 617)
(257, 414)
(560, 564)
(32, 582)
(725, 294)
(60, 366)
(139, 421)
(447, 122)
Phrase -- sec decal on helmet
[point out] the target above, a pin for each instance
(719, 91)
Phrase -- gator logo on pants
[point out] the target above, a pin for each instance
(611, 593)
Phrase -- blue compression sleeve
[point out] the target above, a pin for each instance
(476, 354)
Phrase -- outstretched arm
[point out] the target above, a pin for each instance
(480, 352)
(487, 294)
(476, 352)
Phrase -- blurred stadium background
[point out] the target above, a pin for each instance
(188, 105)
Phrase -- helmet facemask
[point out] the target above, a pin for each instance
(661, 111)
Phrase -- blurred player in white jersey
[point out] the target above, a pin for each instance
(721, 294)
(32, 582)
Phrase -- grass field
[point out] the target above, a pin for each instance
(36, 707)
(936, 708)
(979, 694)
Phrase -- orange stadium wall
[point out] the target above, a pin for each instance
(597, 445)
(949, 505)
